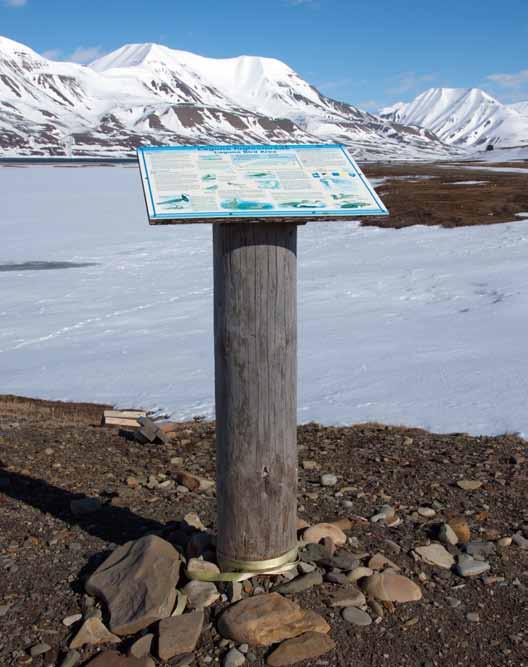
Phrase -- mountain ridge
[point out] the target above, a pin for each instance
(466, 117)
(151, 94)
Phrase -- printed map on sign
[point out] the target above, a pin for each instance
(201, 182)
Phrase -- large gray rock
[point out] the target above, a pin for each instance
(137, 583)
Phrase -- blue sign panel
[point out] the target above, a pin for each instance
(198, 183)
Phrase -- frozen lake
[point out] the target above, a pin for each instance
(422, 326)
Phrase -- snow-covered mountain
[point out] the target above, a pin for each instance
(520, 107)
(464, 117)
(150, 94)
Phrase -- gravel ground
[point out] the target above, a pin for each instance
(52, 453)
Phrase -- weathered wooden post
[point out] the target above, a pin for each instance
(255, 196)
(255, 322)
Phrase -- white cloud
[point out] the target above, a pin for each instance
(516, 80)
(15, 3)
(51, 54)
(407, 82)
(85, 54)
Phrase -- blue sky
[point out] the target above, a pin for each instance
(369, 53)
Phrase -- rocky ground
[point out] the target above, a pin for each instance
(421, 558)
(449, 195)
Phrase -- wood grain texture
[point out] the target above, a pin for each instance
(255, 306)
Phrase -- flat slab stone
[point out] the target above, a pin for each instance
(469, 567)
(138, 584)
(93, 633)
(309, 646)
(267, 619)
(302, 583)
(200, 594)
(113, 659)
(436, 554)
(179, 634)
(356, 616)
(389, 587)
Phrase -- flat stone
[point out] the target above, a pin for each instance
(380, 562)
(469, 484)
(389, 587)
(267, 619)
(201, 569)
(336, 578)
(93, 633)
(358, 573)
(461, 529)
(71, 620)
(141, 647)
(138, 583)
(302, 583)
(472, 617)
(328, 479)
(113, 659)
(193, 520)
(436, 554)
(310, 465)
(447, 535)
(480, 550)
(39, 649)
(234, 658)
(342, 560)
(356, 616)
(85, 506)
(71, 659)
(505, 542)
(179, 634)
(308, 646)
(306, 568)
(427, 512)
(320, 531)
(200, 594)
(349, 596)
(520, 540)
(469, 567)
(386, 514)
(314, 553)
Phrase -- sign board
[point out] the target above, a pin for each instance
(219, 183)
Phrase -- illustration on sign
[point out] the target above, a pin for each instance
(186, 182)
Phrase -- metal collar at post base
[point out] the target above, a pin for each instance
(263, 566)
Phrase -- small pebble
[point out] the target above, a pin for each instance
(328, 479)
(39, 649)
(472, 617)
(356, 616)
(70, 620)
(426, 512)
(234, 658)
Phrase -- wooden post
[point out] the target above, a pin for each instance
(255, 315)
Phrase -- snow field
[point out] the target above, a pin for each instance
(421, 326)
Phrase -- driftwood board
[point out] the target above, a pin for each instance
(271, 183)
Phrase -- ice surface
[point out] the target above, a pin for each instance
(421, 326)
